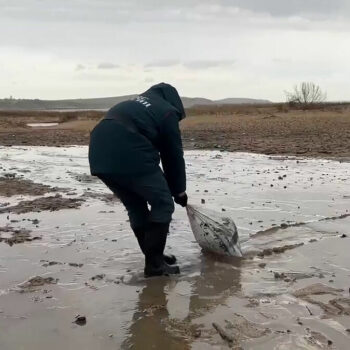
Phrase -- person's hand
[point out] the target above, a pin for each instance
(181, 199)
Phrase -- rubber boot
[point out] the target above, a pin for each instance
(154, 244)
(170, 259)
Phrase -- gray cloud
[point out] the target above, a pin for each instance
(54, 24)
(193, 64)
(293, 7)
(162, 63)
(107, 65)
(204, 64)
(206, 47)
(158, 11)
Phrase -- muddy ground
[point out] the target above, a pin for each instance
(71, 271)
(322, 131)
(11, 184)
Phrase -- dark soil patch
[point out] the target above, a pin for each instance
(52, 203)
(11, 186)
(15, 236)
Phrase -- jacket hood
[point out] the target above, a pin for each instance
(169, 94)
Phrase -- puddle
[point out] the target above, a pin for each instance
(41, 125)
(290, 215)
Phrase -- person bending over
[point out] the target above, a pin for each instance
(125, 151)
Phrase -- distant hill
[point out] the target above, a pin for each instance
(234, 101)
(107, 102)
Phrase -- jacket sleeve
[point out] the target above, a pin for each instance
(171, 154)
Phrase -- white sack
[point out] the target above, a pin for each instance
(214, 232)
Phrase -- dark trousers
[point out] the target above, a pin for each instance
(137, 192)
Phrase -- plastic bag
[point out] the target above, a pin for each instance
(214, 232)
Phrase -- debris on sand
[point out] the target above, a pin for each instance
(179, 328)
(85, 178)
(20, 235)
(336, 306)
(238, 329)
(37, 281)
(98, 277)
(319, 340)
(80, 320)
(279, 275)
(283, 226)
(50, 263)
(242, 328)
(291, 276)
(316, 289)
(276, 228)
(342, 216)
(105, 197)
(343, 304)
(11, 186)
(38, 205)
(328, 308)
(75, 265)
(278, 250)
(253, 303)
(223, 334)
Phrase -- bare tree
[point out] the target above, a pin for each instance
(306, 93)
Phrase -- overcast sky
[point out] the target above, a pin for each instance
(53, 49)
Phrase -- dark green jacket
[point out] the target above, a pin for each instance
(136, 135)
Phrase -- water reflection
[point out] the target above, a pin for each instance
(219, 277)
(166, 306)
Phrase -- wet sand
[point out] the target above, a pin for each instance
(81, 283)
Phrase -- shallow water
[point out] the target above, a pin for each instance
(41, 125)
(123, 309)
